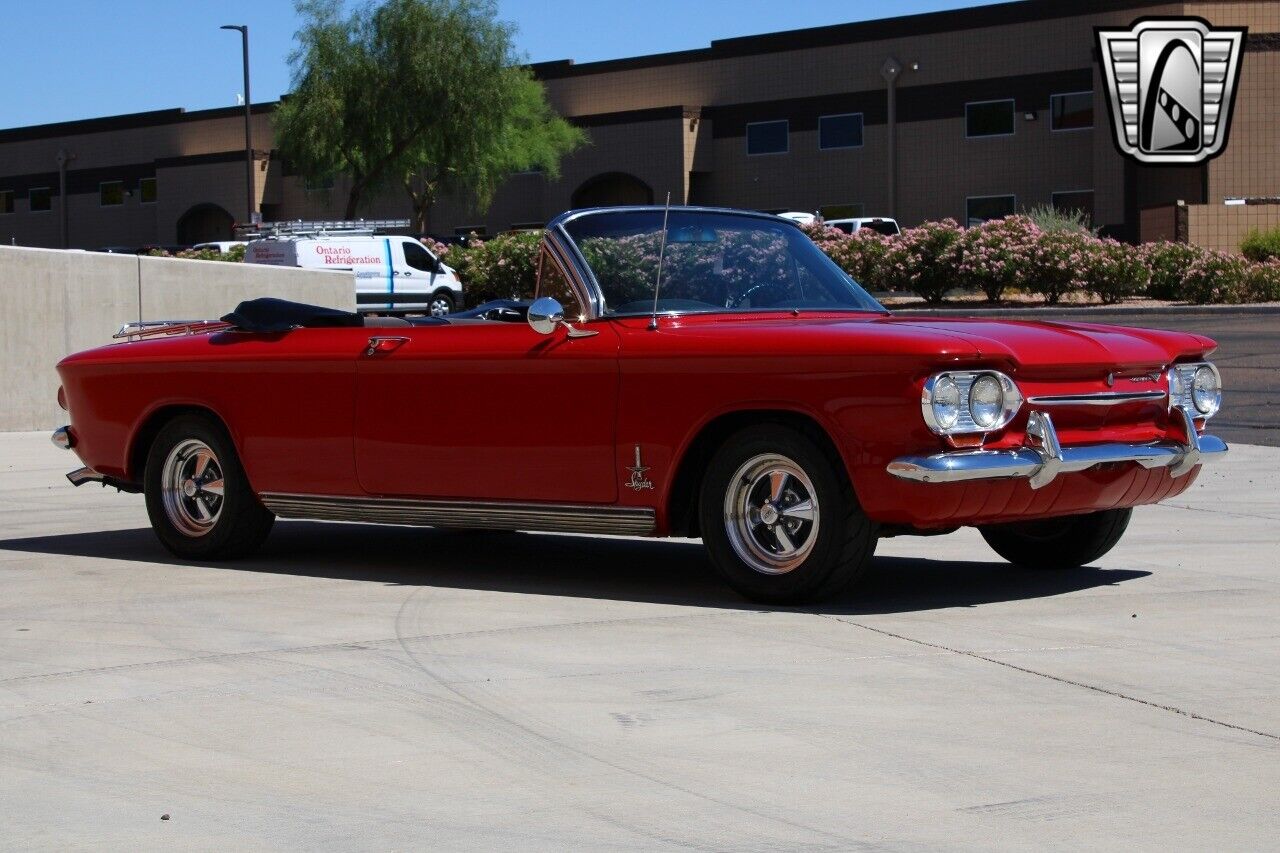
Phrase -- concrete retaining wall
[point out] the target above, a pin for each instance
(53, 303)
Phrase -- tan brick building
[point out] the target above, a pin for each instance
(997, 108)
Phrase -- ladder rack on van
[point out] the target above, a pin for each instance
(322, 228)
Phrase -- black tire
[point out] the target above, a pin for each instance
(1059, 543)
(442, 304)
(236, 524)
(830, 553)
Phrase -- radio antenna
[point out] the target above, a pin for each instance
(662, 253)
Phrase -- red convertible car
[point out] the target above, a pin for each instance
(682, 372)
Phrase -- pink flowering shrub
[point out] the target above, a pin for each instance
(1215, 278)
(1168, 263)
(996, 255)
(930, 260)
(924, 260)
(1058, 264)
(1115, 271)
(1263, 284)
(501, 268)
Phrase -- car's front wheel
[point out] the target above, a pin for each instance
(779, 520)
(1058, 543)
(198, 497)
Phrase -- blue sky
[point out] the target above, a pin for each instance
(85, 58)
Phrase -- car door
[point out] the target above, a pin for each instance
(489, 410)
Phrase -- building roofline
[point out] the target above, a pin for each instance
(127, 121)
(928, 23)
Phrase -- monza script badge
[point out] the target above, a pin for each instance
(1171, 84)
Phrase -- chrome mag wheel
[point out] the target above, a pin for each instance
(440, 306)
(192, 487)
(771, 514)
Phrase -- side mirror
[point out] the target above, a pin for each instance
(545, 314)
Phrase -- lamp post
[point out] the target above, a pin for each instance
(248, 127)
(64, 157)
(891, 70)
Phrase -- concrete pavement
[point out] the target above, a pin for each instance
(357, 687)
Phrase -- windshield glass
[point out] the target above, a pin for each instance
(713, 262)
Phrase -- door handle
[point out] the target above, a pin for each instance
(381, 345)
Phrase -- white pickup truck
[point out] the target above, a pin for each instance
(393, 273)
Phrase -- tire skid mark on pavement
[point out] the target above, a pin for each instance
(531, 737)
(1106, 691)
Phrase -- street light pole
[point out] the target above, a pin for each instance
(248, 126)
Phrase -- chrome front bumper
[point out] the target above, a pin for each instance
(1039, 465)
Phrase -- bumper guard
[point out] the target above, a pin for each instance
(1040, 464)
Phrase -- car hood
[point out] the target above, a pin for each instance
(1036, 348)
(1055, 348)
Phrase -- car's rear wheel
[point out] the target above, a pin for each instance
(1059, 543)
(442, 304)
(779, 519)
(198, 497)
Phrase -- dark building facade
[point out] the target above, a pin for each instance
(995, 109)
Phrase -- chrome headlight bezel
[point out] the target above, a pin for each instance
(1182, 389)
(965, 423)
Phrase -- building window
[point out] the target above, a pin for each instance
(6, 202)
(842, 131)
(40, 199)
(320, 184)
(111, 193)
(147, 191)
(768, 137)
(528, 226)
(982, 208)
(988, 118)
(1072, 111)
(1074, 201)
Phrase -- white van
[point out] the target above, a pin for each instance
(394, 273)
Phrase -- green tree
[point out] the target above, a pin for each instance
(425, 95)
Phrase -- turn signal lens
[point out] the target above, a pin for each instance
(62, 398)
(1206, 391)
(946, 402)
(986, 401)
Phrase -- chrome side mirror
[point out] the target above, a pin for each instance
(545, 314)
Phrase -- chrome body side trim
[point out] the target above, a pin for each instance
(1102, 398)
(560, 518)
(1042, 463)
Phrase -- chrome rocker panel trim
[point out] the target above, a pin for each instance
(1041, 464)
(558, 518)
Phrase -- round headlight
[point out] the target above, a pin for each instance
(986, 401)
(1206, 391)
(946, 402)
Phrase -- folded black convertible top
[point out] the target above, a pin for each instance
(280, 315)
